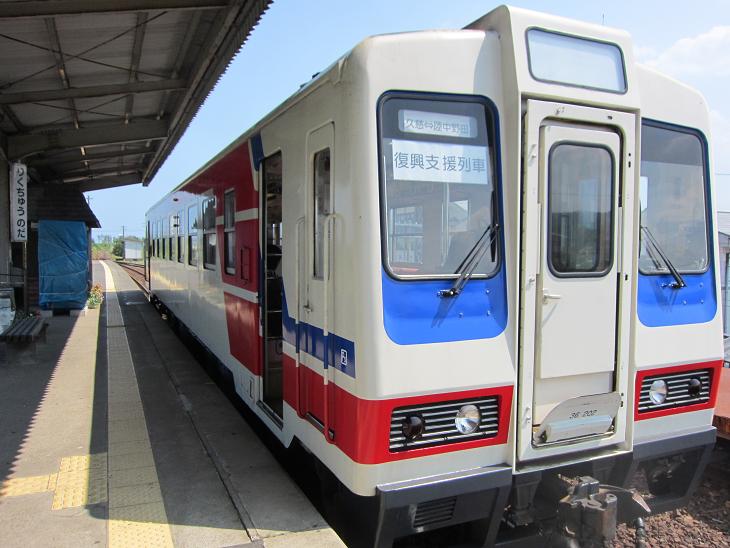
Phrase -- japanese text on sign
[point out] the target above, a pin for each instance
(437, 123)
(18, 202)
(447, 163)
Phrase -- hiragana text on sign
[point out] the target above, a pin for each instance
(18, 202)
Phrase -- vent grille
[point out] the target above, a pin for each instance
(678, 394)
(439, 427)
(434, 511)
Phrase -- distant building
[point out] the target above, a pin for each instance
(133, 249)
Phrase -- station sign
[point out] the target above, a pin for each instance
(19, 202)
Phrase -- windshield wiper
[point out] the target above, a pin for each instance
(467, 267)
(678, 280)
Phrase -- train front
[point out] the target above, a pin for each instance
(545, 261)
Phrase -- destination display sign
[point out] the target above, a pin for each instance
(440, 162)
(437, 123)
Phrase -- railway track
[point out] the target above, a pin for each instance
(136, 272)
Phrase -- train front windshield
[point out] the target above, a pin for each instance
(673, 200)
(438, 176)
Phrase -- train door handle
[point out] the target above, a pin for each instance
(547, 296)
(307, 308)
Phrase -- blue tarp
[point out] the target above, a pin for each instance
(63, 264)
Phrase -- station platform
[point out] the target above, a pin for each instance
(112, 434)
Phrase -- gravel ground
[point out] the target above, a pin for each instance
(704, 522)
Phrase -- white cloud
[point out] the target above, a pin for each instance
(704, 54)
(703, 61)
(720, 124)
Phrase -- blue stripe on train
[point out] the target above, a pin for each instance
(660, 305)
(257, 151)
(413, 313)
(340, 351)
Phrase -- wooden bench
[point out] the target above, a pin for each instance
(25, 331)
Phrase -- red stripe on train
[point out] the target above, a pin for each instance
(362, 427)
(713, 366)
(242, 319)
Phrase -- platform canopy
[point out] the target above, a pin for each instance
(96, 93)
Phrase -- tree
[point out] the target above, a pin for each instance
(118, 247)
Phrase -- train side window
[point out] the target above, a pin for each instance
(171, 239)
(580, 209)
(193, 235)
(321, 207)
(160, 240)
(180, 226)
(229, 226)
(152, 236)
(209, 235)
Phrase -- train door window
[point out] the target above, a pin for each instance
(193, 235)
(179, 221)
(439, 188)
(580, 205)
(321, 207)
(673, 200)
(209, 235)
(229, 227)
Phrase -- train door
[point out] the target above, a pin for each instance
(577, 261)
(272, 284)
(318, 294)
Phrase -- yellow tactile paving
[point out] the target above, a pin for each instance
(132, 476)
(136, 511)
(132, 495)
(126, 447)
(77, 485)
(82, 462)
(131, 460)
(26, 486)
(141, 525)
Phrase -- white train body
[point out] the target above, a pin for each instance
(375, 180)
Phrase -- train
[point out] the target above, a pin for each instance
(474, 273)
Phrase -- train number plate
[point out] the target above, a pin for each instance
(578, 418)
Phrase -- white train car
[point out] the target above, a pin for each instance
(462, 266)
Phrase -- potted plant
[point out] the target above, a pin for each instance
(96, 296)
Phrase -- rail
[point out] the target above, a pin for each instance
(137, 273)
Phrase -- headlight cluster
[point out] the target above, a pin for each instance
(666, 391)
(438, 423)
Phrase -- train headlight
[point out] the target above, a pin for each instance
(658, 391)
(412, 427)
(694, 387)
(467, 419)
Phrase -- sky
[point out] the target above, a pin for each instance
(689, 41)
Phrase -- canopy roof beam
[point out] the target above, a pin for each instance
(90, 91)
(21, 146)
(99, 183)
(51, 8)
